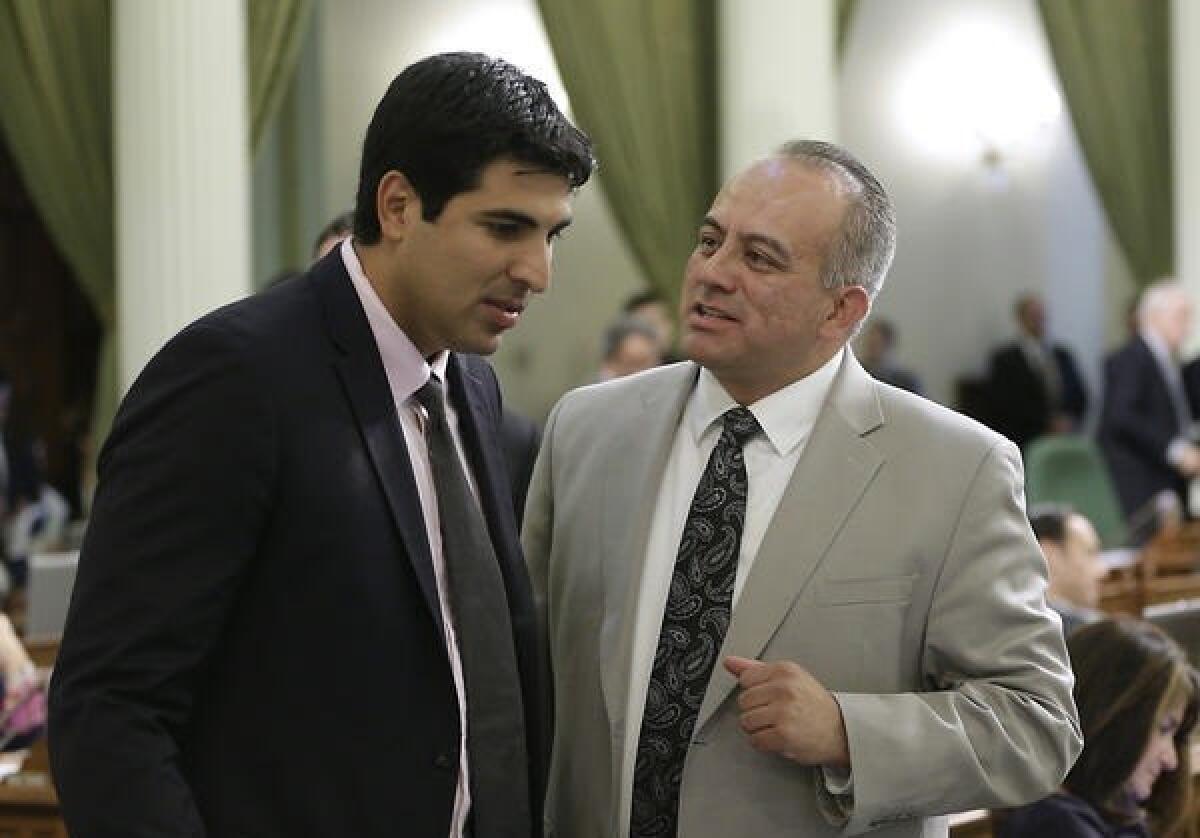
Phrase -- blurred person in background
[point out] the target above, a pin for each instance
(1145, 427)
(1035, 385)
(1072, 550)
(630, 345)
(332, 234)
(876, 352)
(651, 308)
(1137, 698)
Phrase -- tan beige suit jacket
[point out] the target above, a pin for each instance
(899, 569)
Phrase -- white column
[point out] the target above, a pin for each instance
(1185, 104)
(182, 168)
(778, 78)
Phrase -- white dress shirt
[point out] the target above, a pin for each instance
(787, 417)
(407, 372)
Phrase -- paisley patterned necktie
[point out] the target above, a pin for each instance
(694, 622)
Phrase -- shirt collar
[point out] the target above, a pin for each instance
(1031, 345)
(407, 371)
(786, 416)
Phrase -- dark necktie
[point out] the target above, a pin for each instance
(695, 619)
(495, 719)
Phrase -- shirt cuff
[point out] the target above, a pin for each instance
(838, 800)
(839, 782)
(1176, 451)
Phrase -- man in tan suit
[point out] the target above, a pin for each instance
(782, 598)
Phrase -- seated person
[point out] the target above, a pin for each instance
(1072, 550)
(23, 714)
(876, 352)
(1137, 698)
(630, 346)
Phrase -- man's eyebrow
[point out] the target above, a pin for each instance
(511, 216)
(523, 219)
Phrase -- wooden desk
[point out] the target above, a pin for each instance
(28, 802)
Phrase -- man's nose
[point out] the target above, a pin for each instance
(713, 271)
(532, 265)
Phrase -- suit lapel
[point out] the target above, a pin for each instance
(631, 486)
(360, 370)
(835, 469)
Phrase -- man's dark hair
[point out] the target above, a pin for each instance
(641, 298)
(340, 227)
(446, 117)
(1049, 521)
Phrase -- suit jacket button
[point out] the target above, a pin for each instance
(443, 761)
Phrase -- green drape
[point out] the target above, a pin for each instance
(57, 122)
(641, 75)
(56, 86)
(274, 32)
(845, 17)
(1113, 58)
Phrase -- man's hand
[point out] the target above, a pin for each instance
(785, 710)
(1189, 461)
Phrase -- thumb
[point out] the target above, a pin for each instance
(735, 665)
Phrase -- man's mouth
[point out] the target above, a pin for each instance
(711, 313)
(505, 313)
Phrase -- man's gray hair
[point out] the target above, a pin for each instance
(863, 250)
(1161, 294)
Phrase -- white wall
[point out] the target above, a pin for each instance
(970, 238)
(364, 44)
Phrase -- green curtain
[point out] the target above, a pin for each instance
(56, 86)
(845, 18)
(642, 79)
(1113, 58)
(274, 32)
(57, 122)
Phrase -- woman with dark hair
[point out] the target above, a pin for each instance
(1137, 698)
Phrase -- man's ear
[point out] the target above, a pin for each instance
(396, 205)
(1053, 552)
(851, 305)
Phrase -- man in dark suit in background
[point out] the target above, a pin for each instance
(1146, 422)
(1035, 386)
(286, 597)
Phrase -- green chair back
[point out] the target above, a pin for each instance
(1068, 468)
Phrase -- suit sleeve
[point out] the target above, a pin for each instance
(996, 723)
(185, 483)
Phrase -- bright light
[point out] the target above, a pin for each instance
(510, 29)
(978, 92)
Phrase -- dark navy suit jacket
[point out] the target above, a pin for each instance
(1137, 423)
(254, 646)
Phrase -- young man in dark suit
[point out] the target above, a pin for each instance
(297, 613)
